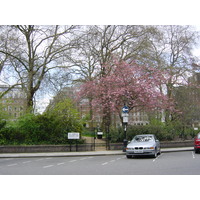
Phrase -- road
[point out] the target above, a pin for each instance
(174, 163)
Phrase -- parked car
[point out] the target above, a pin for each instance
(197, 143)
(143, 145)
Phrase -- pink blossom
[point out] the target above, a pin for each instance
(130, 84)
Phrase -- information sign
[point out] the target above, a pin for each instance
(74, 135)
(125, 119)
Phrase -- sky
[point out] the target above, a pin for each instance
(43, 100)
(87, 12)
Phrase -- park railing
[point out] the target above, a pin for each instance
(82, 147)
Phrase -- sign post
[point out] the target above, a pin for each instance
(74, 136)
(125, 116)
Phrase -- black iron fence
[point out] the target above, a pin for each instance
(83, 147)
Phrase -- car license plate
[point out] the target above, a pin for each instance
(138, 151)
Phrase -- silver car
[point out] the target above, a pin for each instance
(143, 145)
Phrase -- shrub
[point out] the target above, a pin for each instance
(162, 131)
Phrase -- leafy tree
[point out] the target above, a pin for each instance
(67, 115)
(126, 84)
(48, 128)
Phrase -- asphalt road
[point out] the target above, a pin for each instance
(174, 163)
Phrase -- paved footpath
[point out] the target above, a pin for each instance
(86, 153)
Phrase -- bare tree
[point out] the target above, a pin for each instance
(34, 51)
(172, 52)
(99, 46)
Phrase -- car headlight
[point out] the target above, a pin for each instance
(128, 148)
(149, 148)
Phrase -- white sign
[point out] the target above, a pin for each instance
(125, 114)
(99, 133)
(74, 136)
(125, 119)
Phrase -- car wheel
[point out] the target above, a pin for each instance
(128, 156)
(155, 154)
(196, 150)
(159, 152)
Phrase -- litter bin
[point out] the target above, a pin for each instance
(99, 135)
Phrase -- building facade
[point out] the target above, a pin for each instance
(13, 102)
(136, 116)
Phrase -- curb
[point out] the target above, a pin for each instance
(79, 154)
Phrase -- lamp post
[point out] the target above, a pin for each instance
(125, 116)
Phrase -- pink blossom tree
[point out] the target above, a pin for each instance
(126, 84)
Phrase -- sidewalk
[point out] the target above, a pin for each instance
(86, 153)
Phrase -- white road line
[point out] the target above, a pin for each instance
(27, 161)
(72, 160)
(60, 163)
(156, 158)
(193, 154)
(48, 158)
(123, 157)
(118, 158)
(12, 165)
(112, 161)
(105, 163)
(48, 166)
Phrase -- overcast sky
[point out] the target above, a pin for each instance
(154, 12)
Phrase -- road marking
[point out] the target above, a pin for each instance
(48, 158)
(48, 166)
(112, 161)
(72, 160)
(12, 165)
(90, 157)
(105, 163)
(60, 163)
(193, 154)
(156, 158)
(27, 161)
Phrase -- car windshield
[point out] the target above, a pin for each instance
(198, 136)
(142, 138)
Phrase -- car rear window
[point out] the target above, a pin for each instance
(143, 138)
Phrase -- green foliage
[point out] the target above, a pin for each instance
(117, 135)
(49, 128)
(169, 131)
(88, 133)
(66, 116)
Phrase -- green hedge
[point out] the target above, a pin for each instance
(39, 129)
(162, 132)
